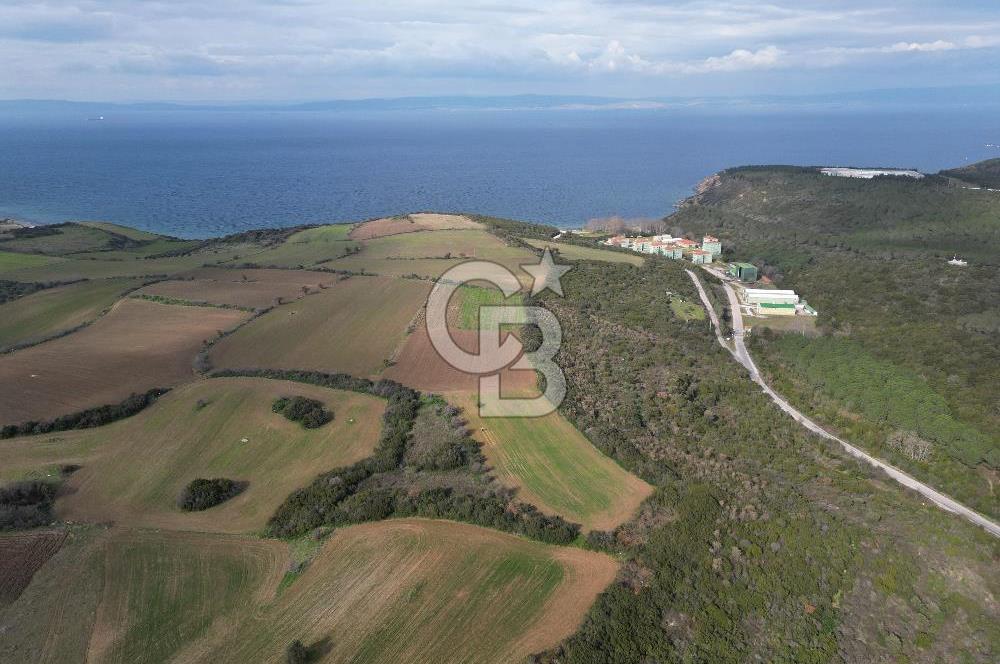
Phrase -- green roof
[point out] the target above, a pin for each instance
(745, 265)
(777, 305)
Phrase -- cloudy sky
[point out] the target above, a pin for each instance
(291, 50)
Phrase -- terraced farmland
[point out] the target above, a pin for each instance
(221, 427)
(353, 327)
(55, 310)
(137, 346)
(242, 288)
(308, 248)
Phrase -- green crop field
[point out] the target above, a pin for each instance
(12, 260)
(471, 298)
(353, 327)
(76, 268)
(65, 239)
(54, 310)
(122, 610)
(558, 469)
(575, 252)
(402, 590)
(199, 431)
(308, 248)
(430, 591)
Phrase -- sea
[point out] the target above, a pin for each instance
(201, 173)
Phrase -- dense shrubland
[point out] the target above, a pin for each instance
(201, 494)
(26, 504)
(871, 256)
(762, 542)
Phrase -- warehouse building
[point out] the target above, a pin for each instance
(743, 271)
(769, 296)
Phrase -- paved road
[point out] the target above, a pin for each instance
(739, 351)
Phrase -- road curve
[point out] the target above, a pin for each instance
(739, 351)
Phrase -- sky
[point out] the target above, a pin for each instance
(302, 50)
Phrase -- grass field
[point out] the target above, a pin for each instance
(121, 608)
(178, 441)
(243, 288)
(471, 298)
(308, 248)
(67, 239)
(104, 267)
(686, 310)
(54, 310)
(353, 327)
(577, 253)
(400, 590)
(12, 260)
(132, 233)
(426, 591)
(137, 346)
(556, 468)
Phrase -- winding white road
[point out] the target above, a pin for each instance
(739, 351)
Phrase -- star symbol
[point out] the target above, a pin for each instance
(546, 274)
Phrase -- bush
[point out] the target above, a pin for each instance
(201, 494)
(85, 419)
(296, 653)
(26, 504)
(310, 413)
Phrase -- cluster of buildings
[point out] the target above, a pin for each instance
(775, 302)
(671, 247)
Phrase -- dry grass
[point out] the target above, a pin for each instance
(137, 346)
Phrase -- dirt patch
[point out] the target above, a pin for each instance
(243, 288)
(21, 556)
(419, 366)
(137, 346)
(411, 224)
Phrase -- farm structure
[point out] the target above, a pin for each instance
(670, 247)
(743, 271)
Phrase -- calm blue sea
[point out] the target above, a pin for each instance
(202, 173)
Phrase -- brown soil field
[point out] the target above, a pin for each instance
(178, 440)
(242, 288)
(353, 327)
(410, 224)
(137, 346)
(419, 366)
(22, 555)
